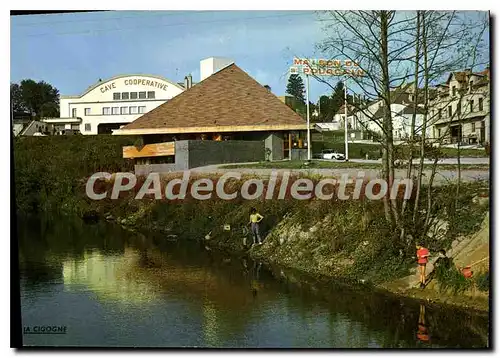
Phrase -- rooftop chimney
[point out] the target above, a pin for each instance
(188, 81)
(211, 65)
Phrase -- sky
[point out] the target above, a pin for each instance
(72, 51)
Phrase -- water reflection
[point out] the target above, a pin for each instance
(109, 277)
(422, 333)
(118, 288)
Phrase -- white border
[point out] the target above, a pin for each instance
(212, 5)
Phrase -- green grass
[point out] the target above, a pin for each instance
(297, 164)
(49, 170)
(360, 150)
(471, 153)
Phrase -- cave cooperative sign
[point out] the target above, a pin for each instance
(322, 67)
(135, 82)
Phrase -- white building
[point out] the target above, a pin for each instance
(402, 109)
(112, 103)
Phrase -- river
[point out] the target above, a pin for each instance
(100, 285)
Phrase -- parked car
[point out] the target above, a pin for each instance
(332, 154)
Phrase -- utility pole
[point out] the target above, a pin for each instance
(319, 108)
(308, 123)
(345, 122)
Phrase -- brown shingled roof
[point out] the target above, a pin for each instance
(227, 99)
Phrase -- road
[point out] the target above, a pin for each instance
(443, 176)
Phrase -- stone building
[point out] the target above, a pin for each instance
(460, 110)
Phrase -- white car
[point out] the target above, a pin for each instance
(332, 154)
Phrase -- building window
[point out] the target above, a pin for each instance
(439, 113)
(125, 95)
(472, 105)
(142, 109)
(87, 111)
(115, 110)
(473, 126)
(116, 96)
(87, 127)
(124, 110)
(453, 91)
(450, 111)
(459, 107)
(151, 94)
(470, 85)
(480, 104)
(105, 111)
(142, 95)
(439, 132)
(133, 95)
(73, 113)
(133, 110)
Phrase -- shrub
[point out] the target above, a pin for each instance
(454, 280)
(482, 281)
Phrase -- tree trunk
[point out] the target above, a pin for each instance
(429, 197)
(415, 103)
(458, 158)
(387, 123)
(424, 124)
(384, 25)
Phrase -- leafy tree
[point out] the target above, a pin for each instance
(38, 98)
(295, 87)
(16, 98)
(328, 106)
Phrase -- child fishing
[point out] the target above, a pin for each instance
(255, 219)
(422, 258)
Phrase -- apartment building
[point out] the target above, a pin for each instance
(460, 110)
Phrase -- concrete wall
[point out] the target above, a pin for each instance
(34, 127)
(299, 154)
(211, 65)
(145, 169)
(211, 152)
(17, 128)
(274, 142)
(196, 153)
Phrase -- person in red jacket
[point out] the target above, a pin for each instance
(422, 258)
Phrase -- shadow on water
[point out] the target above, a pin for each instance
(207, 298)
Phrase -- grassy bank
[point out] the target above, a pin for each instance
(343, 239)
(50, 171)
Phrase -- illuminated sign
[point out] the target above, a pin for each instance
(322, 67)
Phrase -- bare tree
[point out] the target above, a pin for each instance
(393, 48)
